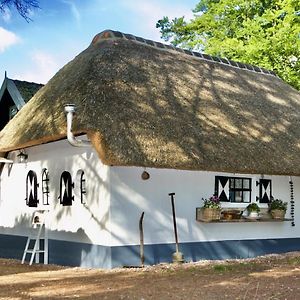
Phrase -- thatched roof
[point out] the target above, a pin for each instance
(145, 104)
(20, 91)
(27, 89)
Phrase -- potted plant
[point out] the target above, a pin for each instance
(253, 210)
(211, 209)
(277, 208)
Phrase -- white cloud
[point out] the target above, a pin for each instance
(150, 11)
(7, 39)
(74, 10)
(43, 67)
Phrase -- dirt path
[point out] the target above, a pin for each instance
(269, 277)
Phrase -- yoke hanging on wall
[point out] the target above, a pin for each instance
(66, 189)
(82, 188)
(45, 186)
(31, 189)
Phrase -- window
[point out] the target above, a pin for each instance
(233, 189)
(66, 189)
(31, 189)
(12, 111)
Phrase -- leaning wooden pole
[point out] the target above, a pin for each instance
(177, 256)
(142, 256)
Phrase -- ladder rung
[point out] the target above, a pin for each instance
(36, 251)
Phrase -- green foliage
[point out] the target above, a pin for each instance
(278, 204)
(253, 207)
(259, 32)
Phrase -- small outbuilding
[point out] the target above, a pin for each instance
(13, 96)
(197, 125)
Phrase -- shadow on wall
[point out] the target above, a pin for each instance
(60, 251)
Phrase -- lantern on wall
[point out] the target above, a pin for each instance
(22, 156)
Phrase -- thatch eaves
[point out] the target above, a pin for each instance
(143, 103)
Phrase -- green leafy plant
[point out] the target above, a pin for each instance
(277, 204)
(212, 202)
(263, 33)
(253, 207)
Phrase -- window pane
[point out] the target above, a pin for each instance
(231, 183)
(246, 196)
(238, 196)
(246, 184)
(238, 183)
(231, 196)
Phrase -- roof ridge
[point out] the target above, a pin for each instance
(31, 82)
(108, 34)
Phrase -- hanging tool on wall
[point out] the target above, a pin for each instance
(177, 256)
(142, 256)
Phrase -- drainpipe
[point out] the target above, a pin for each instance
(70, 111)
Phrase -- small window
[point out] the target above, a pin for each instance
(12, 111)
(31, 189)
(66, 189)
(233, 189)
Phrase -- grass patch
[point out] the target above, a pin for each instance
(294, 261)
(223, 268)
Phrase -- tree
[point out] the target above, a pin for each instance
(259, 32)
(22, 6)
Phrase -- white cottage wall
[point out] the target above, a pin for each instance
(130, 196)
(104, 231)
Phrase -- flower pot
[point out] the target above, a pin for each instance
(253, 214)
(211, 214)
(277, 213)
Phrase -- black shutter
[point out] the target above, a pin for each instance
(31, 189)
(265, 190)
(222, 188)
(66, 189)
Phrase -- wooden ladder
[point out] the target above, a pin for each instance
(41, 234)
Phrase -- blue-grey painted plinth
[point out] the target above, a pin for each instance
(87, 255)
(195, 251)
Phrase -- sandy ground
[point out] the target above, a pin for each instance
(268, 277)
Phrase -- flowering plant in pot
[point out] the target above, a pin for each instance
(211, 208)
(277, 208)
(253, 210)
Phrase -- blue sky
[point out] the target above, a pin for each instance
(61, 29)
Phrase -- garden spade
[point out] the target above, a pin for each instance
(177, 256)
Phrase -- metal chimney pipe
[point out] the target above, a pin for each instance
(70, 111)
